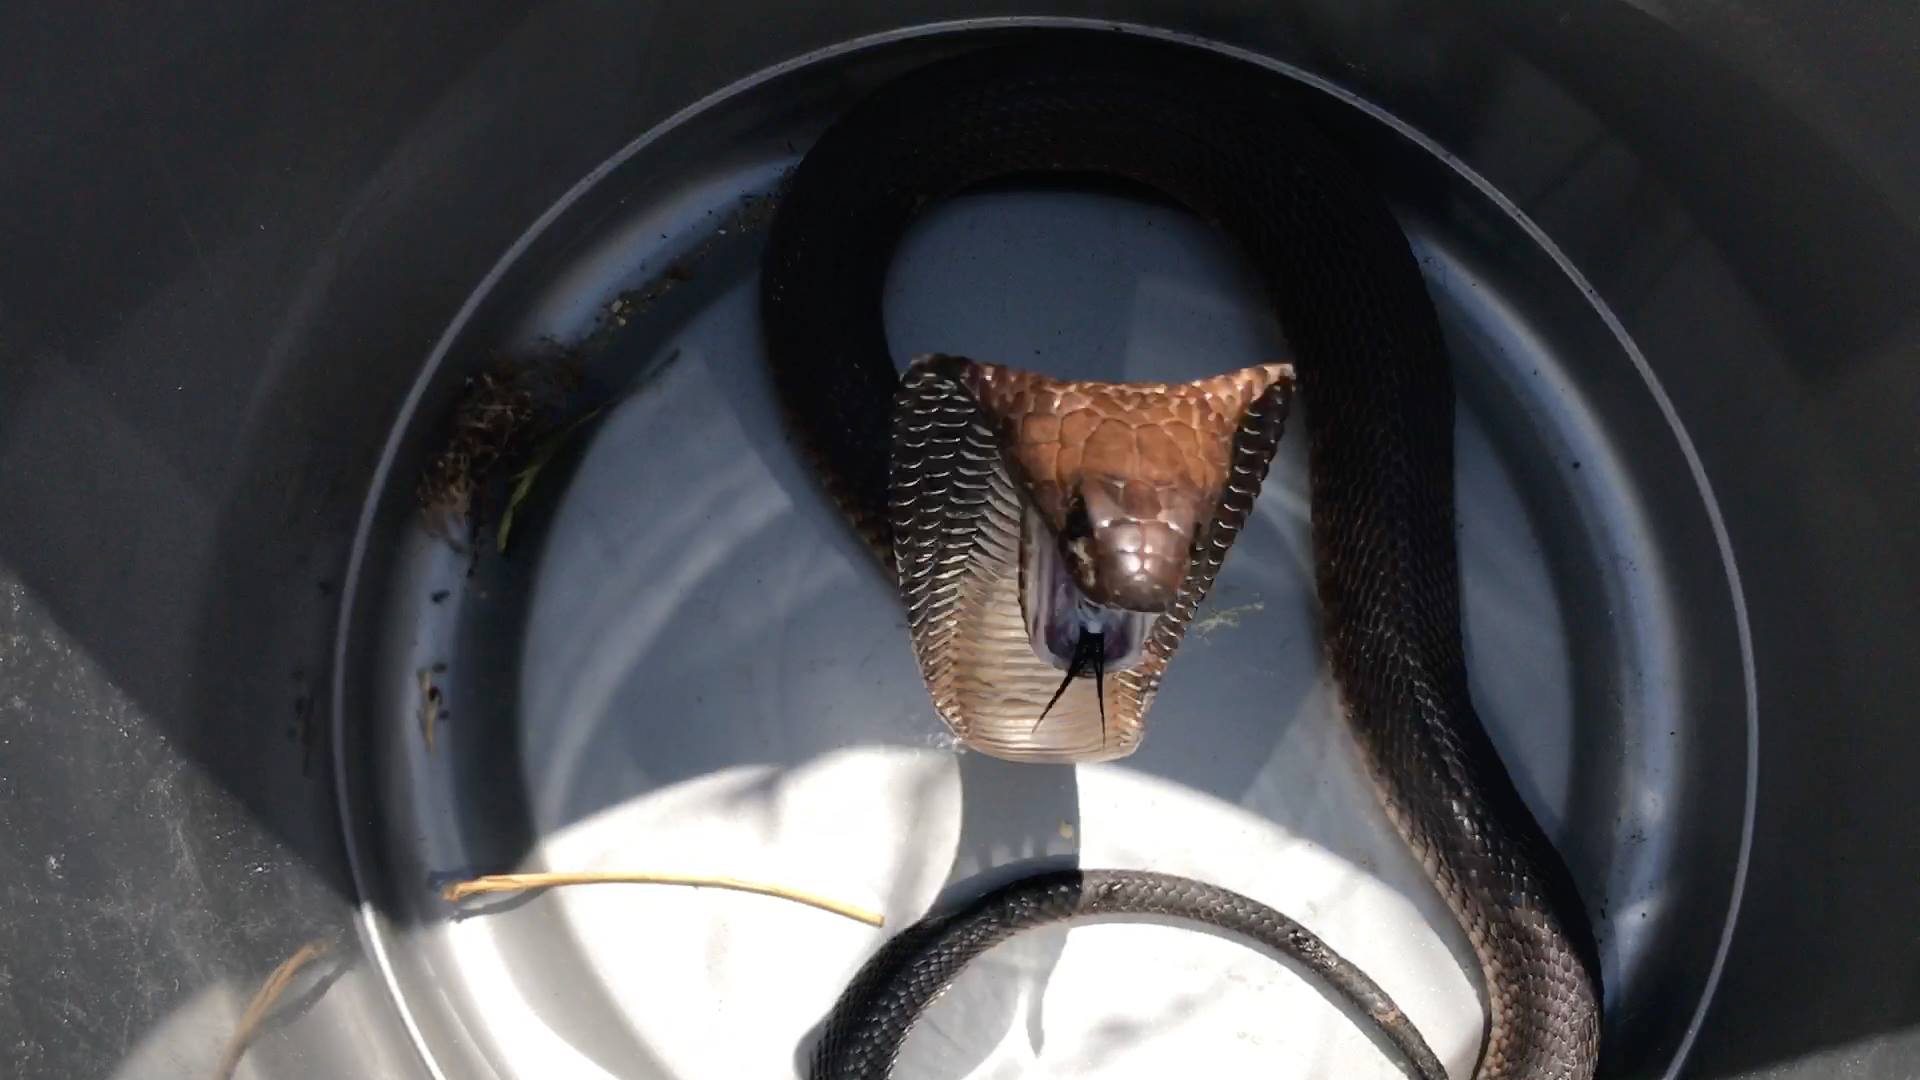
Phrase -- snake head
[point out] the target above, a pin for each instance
(1128, 542)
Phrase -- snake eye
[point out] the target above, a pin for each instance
(1079, 524)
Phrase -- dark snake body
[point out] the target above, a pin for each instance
(1228, 141)
(862, 1039)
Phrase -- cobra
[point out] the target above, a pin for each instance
(1056, 538)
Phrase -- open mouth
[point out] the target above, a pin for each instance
(1066, 628)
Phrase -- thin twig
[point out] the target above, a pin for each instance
(494, 883)
(263, 1000)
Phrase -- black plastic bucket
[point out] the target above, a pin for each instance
(252, 715)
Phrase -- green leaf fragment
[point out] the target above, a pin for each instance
(523, 480)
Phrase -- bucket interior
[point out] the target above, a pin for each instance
(255, 714)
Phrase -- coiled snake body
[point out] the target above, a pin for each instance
(965, 478)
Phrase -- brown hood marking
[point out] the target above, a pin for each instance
(957, 505)
(1148, 460)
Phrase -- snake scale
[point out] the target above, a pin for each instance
(1232, 143)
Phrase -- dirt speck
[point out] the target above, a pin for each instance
(501, 413)
(432, 709)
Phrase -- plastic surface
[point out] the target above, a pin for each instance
(234, 238)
